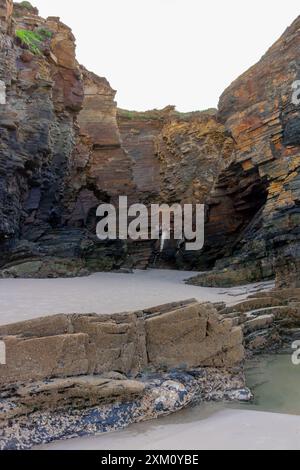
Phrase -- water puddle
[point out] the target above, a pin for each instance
(275, 383)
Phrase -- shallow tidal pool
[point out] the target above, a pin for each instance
(275, 382)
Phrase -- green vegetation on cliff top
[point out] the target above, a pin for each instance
(26, 5)
(33, 39)
(156, 114)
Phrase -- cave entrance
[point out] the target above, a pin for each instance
(234, 209)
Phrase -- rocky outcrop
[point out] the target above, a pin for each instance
(193, 149)
(134, 366)
(109, 167)
(97, 373)
(44, 93)
(120, 402)
(139, 133)
(176, 159)
(188, 334)
(65, 148)
(254, 208)
(52, 164)
(176, 156)
(270, 320)
(288, 272)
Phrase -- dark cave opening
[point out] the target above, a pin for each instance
(233, 208)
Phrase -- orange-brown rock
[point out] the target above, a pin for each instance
(192, 150)
(176, 156)
(6, 10)
(184, 334)
(109, 167)
(139, 134)
(254, 207)
(64, 149)
(53, 173)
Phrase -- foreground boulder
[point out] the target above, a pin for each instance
(184, 335)
(69, 375)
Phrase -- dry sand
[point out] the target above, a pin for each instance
(105, 293)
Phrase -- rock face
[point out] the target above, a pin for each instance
(192, 150)
(288, 272)
(97, 373)
(65, 148)
(176, 159)
(109, 167)
(186, 334)
(44, 93)
(176, 156)
(254, 208)
(58, 128)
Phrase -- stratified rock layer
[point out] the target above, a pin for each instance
(101, 372)
(254, 209)
(60, 153)
(185, 334)
(65, 148)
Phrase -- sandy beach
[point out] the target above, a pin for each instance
(206, 427)
(105, 293)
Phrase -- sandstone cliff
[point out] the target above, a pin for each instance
(254, 208)
(58, 129)
(65, 148)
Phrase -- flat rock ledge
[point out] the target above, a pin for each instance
(74, 375)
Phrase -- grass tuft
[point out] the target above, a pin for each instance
(33, 39)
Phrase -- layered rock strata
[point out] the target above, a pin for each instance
(185, 334)
(65, 148)
(270, 320)
(58, 128)
(254, 209)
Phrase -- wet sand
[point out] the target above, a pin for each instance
(104, 293)
(222, 430)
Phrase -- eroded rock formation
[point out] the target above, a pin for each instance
(65, 148)
(254, 208)
(86, 374)
(185, 334)
(129, 367)
(58, 128)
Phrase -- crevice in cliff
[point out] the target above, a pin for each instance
(233, 209)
